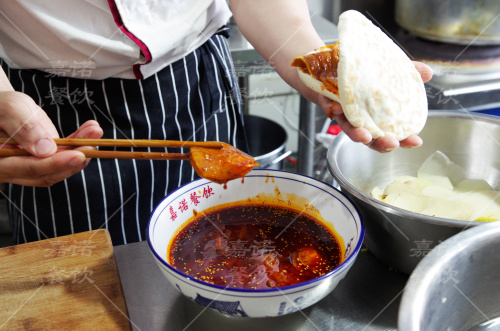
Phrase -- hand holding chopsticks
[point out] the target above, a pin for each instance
(215, 161)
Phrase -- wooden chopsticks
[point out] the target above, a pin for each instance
(118, 143)
(126, 143)
(97, 154)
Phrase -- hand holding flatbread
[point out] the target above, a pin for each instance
(377, 85)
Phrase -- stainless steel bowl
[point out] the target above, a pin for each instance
(398, 237)
(455, 287)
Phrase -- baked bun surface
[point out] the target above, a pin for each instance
(379, 87)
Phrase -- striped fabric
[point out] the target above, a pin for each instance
(196, 98)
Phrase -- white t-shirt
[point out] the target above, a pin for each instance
(98, 39)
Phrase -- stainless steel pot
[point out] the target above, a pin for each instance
(455, 287)
(396, 236)
(267, 141)
(454, 21)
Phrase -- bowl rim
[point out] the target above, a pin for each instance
(344, 183)
(266, 173)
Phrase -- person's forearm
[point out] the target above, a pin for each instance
(280, 30)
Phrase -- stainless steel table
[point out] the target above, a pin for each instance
(245, 55)
(367, 299)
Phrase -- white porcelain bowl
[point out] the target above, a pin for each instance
(271, 186)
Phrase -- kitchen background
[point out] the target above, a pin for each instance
(469, 81)
(466, 71)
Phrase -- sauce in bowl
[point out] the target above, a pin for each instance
(255, 246)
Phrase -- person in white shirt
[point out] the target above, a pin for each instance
(130, 69)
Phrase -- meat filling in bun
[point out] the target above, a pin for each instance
(321, 65)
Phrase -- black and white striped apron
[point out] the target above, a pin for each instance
(196, 98)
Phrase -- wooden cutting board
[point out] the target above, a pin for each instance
(65, 283)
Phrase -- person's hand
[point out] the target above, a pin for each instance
(384, 144)
(22, 119)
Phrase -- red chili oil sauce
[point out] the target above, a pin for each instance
(255, 246)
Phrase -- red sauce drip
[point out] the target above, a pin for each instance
(221, 165)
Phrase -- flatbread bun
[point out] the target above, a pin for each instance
(379, 87)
